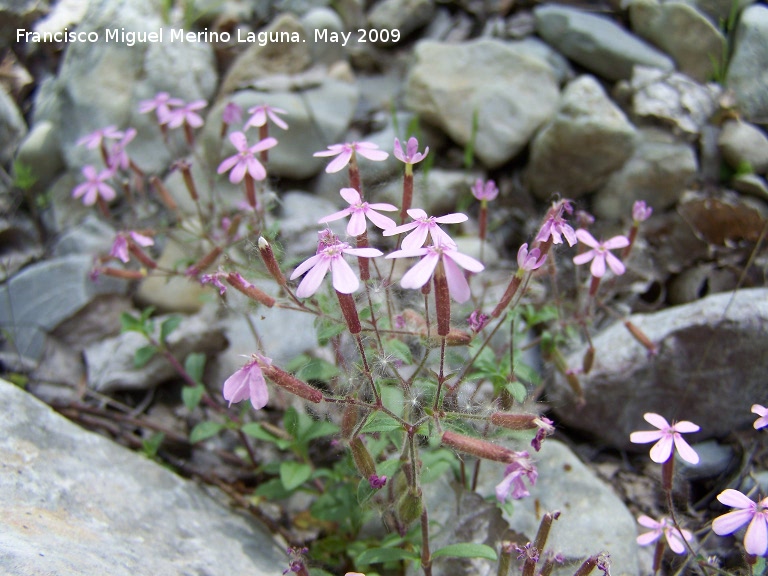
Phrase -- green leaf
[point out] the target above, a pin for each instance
(399, 350)
(379, 555)
(204, 430)
(517, 390)
(257, 431)
(194, 364)
(318, 429)
(291, 422)
(381, 422)
(168, 326)
(143, 355)
(272, 490)
(191, 396)
(319, 370)
(466, 550)
(294, 474)
(129, 323)
(328, 330)
(151, 445)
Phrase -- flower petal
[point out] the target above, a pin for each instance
(729, 523)
(375, 155)
(616, 242)
(656, 420)
(351, 196)
(381, 221)
(454, 218)
(314, 278)
(616, 265)
(662, 450)
(673, 539)
(335, 216)
(344, 278)
(597, 269)
(587, 238)
(457, 283)
(236, 386)
(584, 257)
(421, 272)
(756, 538)
(649, 522)
(257, 388)
(735, 499)
(645, 437)
(356, 224)
(648, 538)
(416, 238)
(684, 449)
(466, 262)
(306, 265)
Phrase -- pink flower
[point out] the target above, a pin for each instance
(477, 320)
(231, 114)
(665, 527)
(424, 225)
(513, 484)
(186, 114)
(600, 253)
(451, 258)
(245, 159)
(118, 157)
(530, 261)
(119, 248)
(94, 186)
(359, 210)
(555, 225)
(667, 436)
(259, 115)
(215, 280)
(94, 139)
(761, 411)
(641, 212)
(161, 104)
(377, 482)
(330, 256)
(344, 152)
(485, 190)
(248, 382)
(412, 155)
(756, 513)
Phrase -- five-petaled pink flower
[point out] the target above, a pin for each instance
(330, 255)
(94, 139)
(641, 211)
(512, 485)
(232, 113)
(555, 225)
(344, 152)
(119, 248)
(530, 261)
(412, 154)
(94, 186)
(245, 159)
(161, 104)
(424, 225)
(756, 513)
(259, 115)
(248, 382)
(485, 191)
(186, 114)
(359, 211)
(118, 157)
(761, 411)
(600, 253)
(667, 436)
(451, 258)
(666, 527)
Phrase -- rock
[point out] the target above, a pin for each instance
(100, 84)
(715, 460)
(659, 171)
(577, 150)
(751, 184)
(593, 519)
(41, 149)
(719, 11)
(744, 145)
(19, 244)
(596, 42)
(92, 236)
(682, 32)
(28, 310)
(129, 514)
(111, 361)
(324, 19)
(270, 59)
(747, 70)
(12, 128)
(407, 16)
(511, 94)
(673, 100)
(15, 14)
(65, 14)
(708, 350)
(299, 215)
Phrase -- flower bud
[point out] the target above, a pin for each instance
(162, 191)
(204, 262)
(293, 384)
(410, 506)
(349, 310)
(239, 283)
(124, 274)
(588, 360)
(363, 459)
(442, 301)
(348, 420)
(189, 181)
(477, 447)
(641, 337)
(268, 257)
(514, 421)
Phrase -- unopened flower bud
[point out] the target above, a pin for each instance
(641, 337)
(363, 459)
(293, 384)
(442, 301)
(509, 293)
(241, 285)
(348, 420)
(162, 191)
(588, 360)
(268, 257)
(204, 262)
(189, 181)
(514, 421)
(349, 310)
(124, 274)
(410, 506)
(477, 447)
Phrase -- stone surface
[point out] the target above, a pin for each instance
(42, 295)
(743, 144)
(41, 149)
(751, 184)
(12, 127)
(406, 16)
(513, 94)
(299, 215)
(593, 518)
(76, 503)
(111, 361)
(719, 10)
(659, 171)
(682, 32)
(19, 244)
(588, 138)
(748, 67)
(596, 42)
(710, 350)
(673, 100)
(324, 19)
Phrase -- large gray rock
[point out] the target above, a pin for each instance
(76, 503)
(596, 42)
(403, 15)
(588, 138)
(512, 92)
(719, 11)
(742, 144)
(682, 32)
(12, 127)
(40, 148)
(710, 368)
(748, 68)
(593, 519)
(659, 171)
(101, 83)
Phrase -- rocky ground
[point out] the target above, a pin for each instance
(661, 101)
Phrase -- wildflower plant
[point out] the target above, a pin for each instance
(408, 341)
